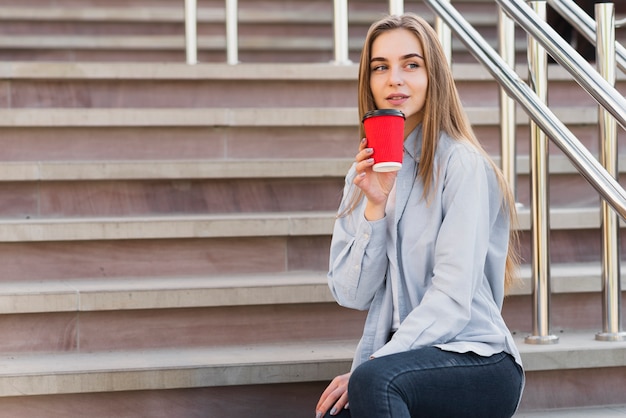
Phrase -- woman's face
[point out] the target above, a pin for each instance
(398, 78)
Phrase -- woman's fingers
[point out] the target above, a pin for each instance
(335, 397)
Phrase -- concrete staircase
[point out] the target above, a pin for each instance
(164, 229)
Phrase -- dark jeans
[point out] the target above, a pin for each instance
(433, 383)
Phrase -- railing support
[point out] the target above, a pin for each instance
(396, 7)
(445, 35)
(540, 214)
(340, 25)
(232, 41)
(191, 33)
(611, 287)
(508, 120)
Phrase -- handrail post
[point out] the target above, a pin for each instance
(191, 32)
(340, 26)
(508, 121)
(232, 41)
(445, 36)
(540, 216)
(396, 7)
(611, 287)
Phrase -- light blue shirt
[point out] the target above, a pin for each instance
(448, 255)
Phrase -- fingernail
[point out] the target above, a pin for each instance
(369, 150)
(363, 140)
(370, 160)
(333, 411)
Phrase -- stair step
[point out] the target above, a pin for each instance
(163, 292)
(250, 117)
(47, 374)
(108, 294)
(102, 170)
(226, 225)
(178, 169)
(212, 226)
(246, 15)
(141, 72)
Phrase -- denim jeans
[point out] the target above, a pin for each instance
(434, 383)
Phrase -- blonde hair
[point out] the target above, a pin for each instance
(441, 94)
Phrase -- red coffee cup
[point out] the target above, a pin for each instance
(384, 130)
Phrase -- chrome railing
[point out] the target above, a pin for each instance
(587, 165)
(584, 24)
(611, 289)
(539, 194)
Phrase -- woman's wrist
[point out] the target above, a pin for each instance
(374, 212)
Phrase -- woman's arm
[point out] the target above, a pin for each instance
(358, 254)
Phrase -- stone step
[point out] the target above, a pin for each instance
(227, 117)
(115, 170)
(138, 134)
(128, 85)
(251, 13)
(216, 310)
(584, 361)
(226, 226)
(299, 287)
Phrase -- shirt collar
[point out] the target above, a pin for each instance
(413, 143)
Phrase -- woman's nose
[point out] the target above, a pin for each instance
(395, 77)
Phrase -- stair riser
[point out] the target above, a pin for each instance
(131, 198)
(235, 93)
(553, 389)
(162, 258)
(247, 325)
(168, 143)
(172, 328)
(168, 94)
(193, 257)
(32, 200)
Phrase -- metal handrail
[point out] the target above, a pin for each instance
(191, 32)
(580, 20)
(563, 53)
(582, 159)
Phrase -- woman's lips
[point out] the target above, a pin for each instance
(397, 99)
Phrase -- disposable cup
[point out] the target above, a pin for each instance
(384, 130)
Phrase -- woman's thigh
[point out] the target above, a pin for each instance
(431, 382)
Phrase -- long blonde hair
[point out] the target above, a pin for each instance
(443, 112)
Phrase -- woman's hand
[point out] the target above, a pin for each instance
(375, 185)
(335, 397)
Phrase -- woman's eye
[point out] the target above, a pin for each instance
(413, 65)
(379, 68)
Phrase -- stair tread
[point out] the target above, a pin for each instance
(36, 374)
(253, 117)
(304, 223)
(164, 292)
(106, 294)
(27, 70)
(246, 14)
(84, 170)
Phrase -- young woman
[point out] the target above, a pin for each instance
(427, 250)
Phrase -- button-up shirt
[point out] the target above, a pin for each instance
(447, 251)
